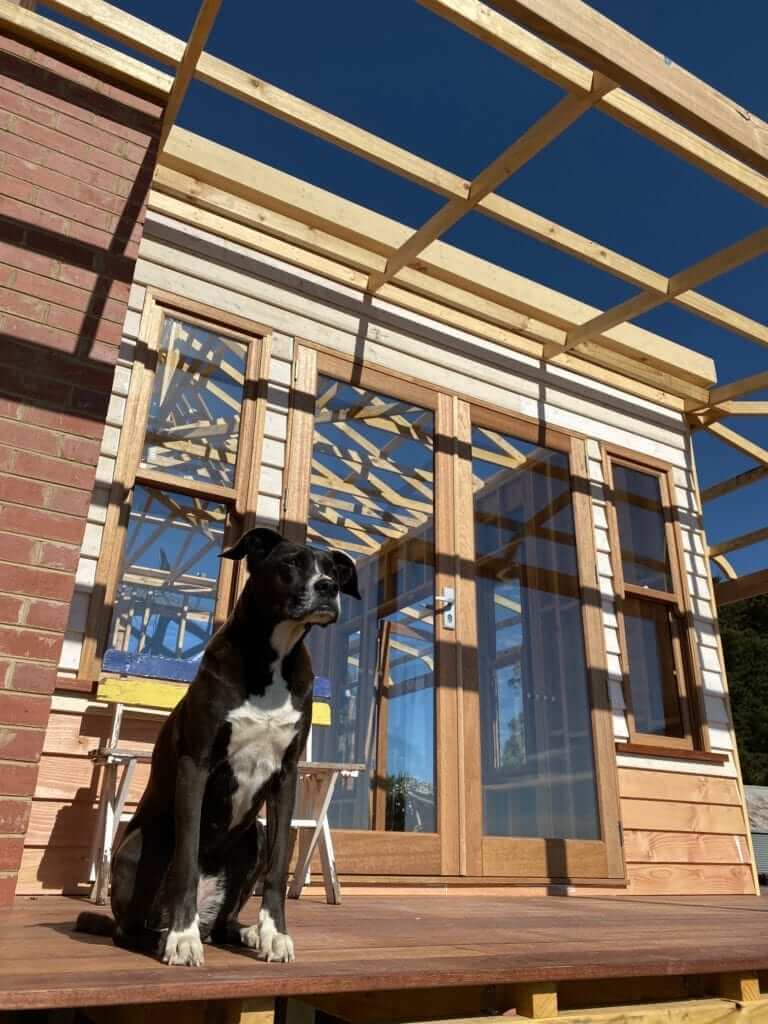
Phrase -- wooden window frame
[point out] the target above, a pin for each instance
(240, 499)
(686, 671)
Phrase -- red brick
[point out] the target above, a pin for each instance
(37, 582)
(47, 288)
(20, 147)
(19, 709)
(78, 171)
(21, 744)
(80, 449)
(6, 670)
(80, 323)
(44, 467)
(18, 779)
(14, 815)
(15, 382)
(25, 259)
(47, 615)
(26, 306)
(59, 556)
(61, 421)
(22, 191)
(23, 435)
(35, 506)
(62, 184)
(32, 677)
(11, 849)
(28, 643)
(16, 47)
(7, 890)
(17, 549)
(10, 609)
(32, 215)
(18, 104)
(74, 210)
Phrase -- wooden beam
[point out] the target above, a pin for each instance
(246, 177)
(185, 72)
(746, 540)
(537, 137)
(722, 563)
(742, 444)
(516, 42)
(734, 483)
(752, 585)
(737, 388)
(712, 266)
(590, 37)
(244, 86)
(86, 52)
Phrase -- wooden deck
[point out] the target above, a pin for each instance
(393, 943)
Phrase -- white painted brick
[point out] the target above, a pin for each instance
(273, 453)
(132, 323)
(616, 694)
(595, 471)
(91, 545)
(97, 511)
(268, 508)
(70, 651)
(612, 645)
(717, 711)
(613, 665)
(604, 567)
(78, 612)
(600, 517)
(605, 584)
(105, 469)
(593, 449)
(276, 425)
(720, 738)
(111, 440)
(620, 730)
(270, 481)
(277, 396)
(282, 346)
(280, 372)
(601, 541)
(116, 410)
(136, 297)
(122, 380)
(712, 681)
(710, 660)
(85, 577)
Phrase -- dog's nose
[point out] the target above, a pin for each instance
(327, 587)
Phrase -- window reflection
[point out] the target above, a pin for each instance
(372, 496)
(536, 734)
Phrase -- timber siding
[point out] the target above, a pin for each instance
(685, 829)
(77, 155)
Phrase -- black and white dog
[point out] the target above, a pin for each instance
(194, 850)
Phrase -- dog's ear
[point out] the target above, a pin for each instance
(254, 545)
(346, 572)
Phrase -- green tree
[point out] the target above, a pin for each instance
(744, 629)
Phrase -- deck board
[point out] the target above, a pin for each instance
(376, 943)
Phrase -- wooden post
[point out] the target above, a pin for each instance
(535, 999)
(743, 988)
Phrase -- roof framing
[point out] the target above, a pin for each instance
(599, 65)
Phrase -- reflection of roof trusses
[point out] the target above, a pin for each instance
(599, 66)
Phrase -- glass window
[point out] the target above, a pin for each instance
(194, 416)
(652, 628)
(536, 728)
(166, 595)
(640, 513)
(372, 496)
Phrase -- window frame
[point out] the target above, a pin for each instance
(677, 602)
(240, 500)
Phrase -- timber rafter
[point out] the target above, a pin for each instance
(598, 65)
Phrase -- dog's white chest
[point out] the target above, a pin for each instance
(262, 730)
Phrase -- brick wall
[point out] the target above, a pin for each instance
(76, 158)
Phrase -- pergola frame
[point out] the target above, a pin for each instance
(599, 66)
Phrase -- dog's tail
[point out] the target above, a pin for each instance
(94, 924)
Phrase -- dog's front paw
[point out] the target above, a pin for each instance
(269, 943)
(184, 947)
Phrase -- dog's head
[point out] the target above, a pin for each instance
(295, 581)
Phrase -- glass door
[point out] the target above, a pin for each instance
(534, 685)
(375, 483)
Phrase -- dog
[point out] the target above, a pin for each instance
(195, 849)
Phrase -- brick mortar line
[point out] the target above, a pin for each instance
(59, 330)
(49, 511)
(115, 346)
(15, 565)
(95, 296)
(49, 455)
(83, 151)
(76, 110)
(122, 199)
(26, 627)
(56, 458)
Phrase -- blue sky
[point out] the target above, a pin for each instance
(407, 75)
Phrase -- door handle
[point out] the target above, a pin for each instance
(445, 604)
